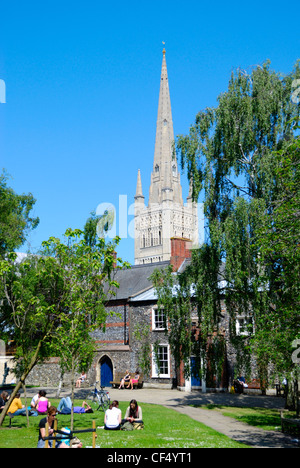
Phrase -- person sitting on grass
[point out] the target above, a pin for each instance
(42, 430)
(3, 399)
(113, 417)
(133, 413)
(42, 403)
(35, 399)
(16, 408)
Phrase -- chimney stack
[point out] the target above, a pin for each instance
(180, 250)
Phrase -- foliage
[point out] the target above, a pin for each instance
(278, 243)
(142, 336)
(15, 219)
(237, 158)
(174, 301)
(53, 301)
(96, 226)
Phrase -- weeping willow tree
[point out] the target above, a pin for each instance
(231, 158)
(174, 300)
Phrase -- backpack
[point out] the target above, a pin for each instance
(127, 426)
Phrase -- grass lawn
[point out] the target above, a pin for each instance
(164, 428)
(267, 419)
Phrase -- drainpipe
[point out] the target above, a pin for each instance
(125, 320)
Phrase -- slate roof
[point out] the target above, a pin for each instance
(135, 280)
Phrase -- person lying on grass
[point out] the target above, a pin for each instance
(65, 407)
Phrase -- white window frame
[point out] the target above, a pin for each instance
(155, 322)
(241, 330)
(155, 373)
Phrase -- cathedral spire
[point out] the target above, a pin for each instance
(165, 181)
(166, 216)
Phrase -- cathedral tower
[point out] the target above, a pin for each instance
(166, 216)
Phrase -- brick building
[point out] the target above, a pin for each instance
(134, 309)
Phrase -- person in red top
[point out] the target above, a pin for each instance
(134, 380)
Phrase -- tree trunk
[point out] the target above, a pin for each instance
(291, 401)
(60, 385)
(21, 382)
(72, 392)
(26, 406)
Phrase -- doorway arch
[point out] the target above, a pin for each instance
(106, 371)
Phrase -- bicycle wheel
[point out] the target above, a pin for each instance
(104, 401)
(97, 403)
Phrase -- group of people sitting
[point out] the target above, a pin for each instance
(128, 381)
(133, 417)
(39, 404)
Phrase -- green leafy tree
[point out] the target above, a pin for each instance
(175, 302)
(229, 158)
(279, 247)
(86, 270)
(54, 300)
(15, 219)
(30, 310)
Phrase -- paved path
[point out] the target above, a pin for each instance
(181, 402)
(232, 428)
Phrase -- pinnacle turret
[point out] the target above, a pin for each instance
(139, 190)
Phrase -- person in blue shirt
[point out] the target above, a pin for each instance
(65, 407)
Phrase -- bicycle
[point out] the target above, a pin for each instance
(99, 398)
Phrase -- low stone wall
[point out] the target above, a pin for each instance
(46, 374)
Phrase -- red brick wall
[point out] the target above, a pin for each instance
(180, 250)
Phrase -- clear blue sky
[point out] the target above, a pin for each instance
(82, 82)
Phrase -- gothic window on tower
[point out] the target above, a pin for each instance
(174, 170)
(156, 168)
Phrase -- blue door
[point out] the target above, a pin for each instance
(195, 379)
(106, 372)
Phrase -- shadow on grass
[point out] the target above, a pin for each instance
(257, 417)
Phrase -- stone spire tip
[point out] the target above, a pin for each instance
(139, 191)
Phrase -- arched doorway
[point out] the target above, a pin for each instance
(106, 371)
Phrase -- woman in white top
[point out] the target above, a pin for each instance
(113, 417)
